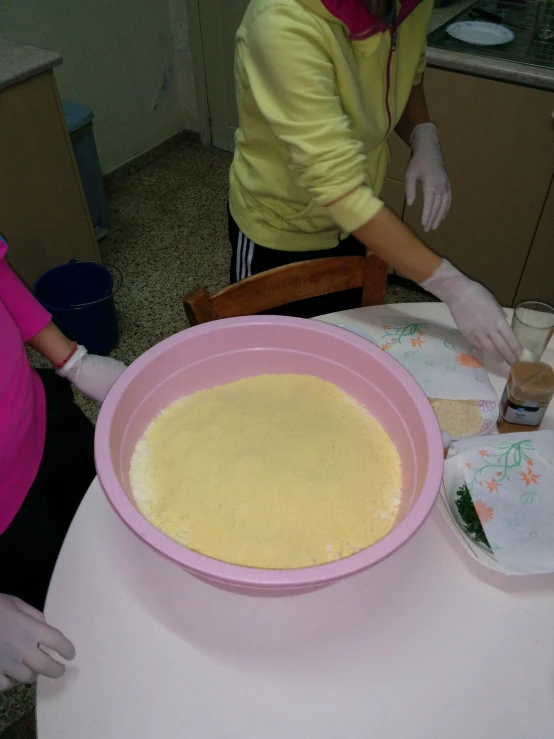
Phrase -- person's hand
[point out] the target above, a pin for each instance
(91, 374)
(476, 312)
(427, 166)
(23, 631)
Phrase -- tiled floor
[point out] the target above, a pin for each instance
(168, 236)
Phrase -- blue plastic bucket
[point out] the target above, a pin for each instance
(79, 295)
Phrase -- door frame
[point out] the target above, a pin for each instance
(199, 71)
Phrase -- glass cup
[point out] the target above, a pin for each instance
(544, 24)
(533, 325)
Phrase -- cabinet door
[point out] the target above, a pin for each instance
(392, 194)
(498, 146)
(219, 22)
(400, 156)
(537, 281)
(43, 211)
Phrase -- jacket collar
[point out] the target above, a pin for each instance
(359, 21)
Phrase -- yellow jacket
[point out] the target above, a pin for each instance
(320, 87)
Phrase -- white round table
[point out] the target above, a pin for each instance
(426, 645)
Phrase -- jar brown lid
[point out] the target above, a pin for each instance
(533, 380)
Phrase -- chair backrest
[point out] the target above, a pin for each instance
(287, 284)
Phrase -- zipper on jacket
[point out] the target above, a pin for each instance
(393, 38)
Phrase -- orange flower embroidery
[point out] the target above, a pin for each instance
(492, 486)
(499, 474)
(468, 465)
(530, 463)
(485, 512)
(468, 360)
(420, 332)
(529, 477)
(416, 342)
(385, 347)
(386, 328)
(483, 453)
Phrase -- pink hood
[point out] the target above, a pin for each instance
(355, 15)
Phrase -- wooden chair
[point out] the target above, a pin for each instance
(287, 284)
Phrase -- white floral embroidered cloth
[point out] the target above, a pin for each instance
(444, 362)
(511, 483)
(440, 359)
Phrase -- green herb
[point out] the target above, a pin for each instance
(469, 516)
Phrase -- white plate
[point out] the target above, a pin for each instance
(452, 481)
(480, 33)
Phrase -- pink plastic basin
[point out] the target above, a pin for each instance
(223, 351)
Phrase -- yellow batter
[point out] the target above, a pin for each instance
(274, 471)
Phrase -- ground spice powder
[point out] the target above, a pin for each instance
(526, 397)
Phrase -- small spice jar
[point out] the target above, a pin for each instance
(526, 397)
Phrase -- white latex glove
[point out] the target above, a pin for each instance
(23, 631)
(427, 166)
(91, 374)
(476, 312)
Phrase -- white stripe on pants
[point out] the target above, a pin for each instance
(245, 254)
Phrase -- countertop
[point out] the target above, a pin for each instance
(497, 69)
(19, 62)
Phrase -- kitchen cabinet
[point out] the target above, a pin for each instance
(400, 157)
(43, 211)
(498, 145)
(392, 194)
(537, 281)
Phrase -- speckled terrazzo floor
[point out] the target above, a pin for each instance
(168, 235)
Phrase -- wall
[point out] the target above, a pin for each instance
(128, 60)
(181, 38)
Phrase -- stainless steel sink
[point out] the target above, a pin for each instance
(520, 17)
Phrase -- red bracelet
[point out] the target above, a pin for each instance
(66, 360)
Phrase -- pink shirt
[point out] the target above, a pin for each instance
(22, 401)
